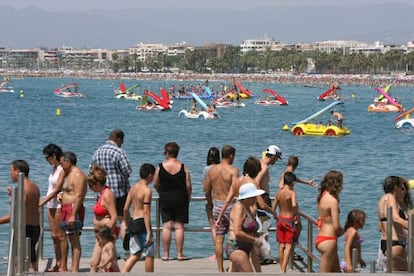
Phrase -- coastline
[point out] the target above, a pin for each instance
(399, 80)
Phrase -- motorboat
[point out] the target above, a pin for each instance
(69, 91)
(5, 88)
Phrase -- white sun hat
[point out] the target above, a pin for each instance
(249, 190)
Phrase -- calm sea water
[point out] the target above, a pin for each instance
(373, 151)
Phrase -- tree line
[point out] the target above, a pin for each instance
(286, 60)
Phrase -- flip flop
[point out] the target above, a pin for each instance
(184, 258)
(166, 259)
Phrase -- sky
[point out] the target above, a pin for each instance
(82, 5)
(125, 23)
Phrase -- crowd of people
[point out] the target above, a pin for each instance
(237, 205)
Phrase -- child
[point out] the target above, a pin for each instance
(355, 221)
(109, 262)
(285, 198)
(139, 225)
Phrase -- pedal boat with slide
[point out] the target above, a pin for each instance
(309, 127)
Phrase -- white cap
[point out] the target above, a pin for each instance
(274, 150)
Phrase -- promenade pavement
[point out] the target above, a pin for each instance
(196, 266)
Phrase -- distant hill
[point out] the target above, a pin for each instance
(32, 27)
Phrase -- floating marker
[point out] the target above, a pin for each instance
(285, 127)
(58, 112)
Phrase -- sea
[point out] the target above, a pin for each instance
(374, 149)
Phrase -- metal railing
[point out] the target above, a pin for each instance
(306, 246)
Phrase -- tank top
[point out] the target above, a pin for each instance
(53, 178)
(172, 189)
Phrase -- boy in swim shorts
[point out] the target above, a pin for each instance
(285, 199)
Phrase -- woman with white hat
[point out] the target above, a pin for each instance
(243, 229)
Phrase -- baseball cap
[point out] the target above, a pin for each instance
(249, 190)
(274, 150)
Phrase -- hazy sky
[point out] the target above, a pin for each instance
(77, 5)
(123, 23)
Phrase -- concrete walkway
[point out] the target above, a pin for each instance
(203, 266)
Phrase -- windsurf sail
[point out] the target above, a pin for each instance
(199, 100)
(276, 95)
(402, 115)
(320, 112)
(157, 99)
(390, 100)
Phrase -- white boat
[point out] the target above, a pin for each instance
(219, 104)
(126, 94)
(4, 88)
(206, 113)
(198, 115)
(69, 91)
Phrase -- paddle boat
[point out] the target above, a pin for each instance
(159, 102)
(385, 104)
(274, 99)
(404, 120)
(69, 91)
(309, 127)
(5, 88)
(330, 94)
(223, 102)
(206, 113)
(124, 93)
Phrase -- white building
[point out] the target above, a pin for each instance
(260, 45)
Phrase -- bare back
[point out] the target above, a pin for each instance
(31, 200)
(141, 195)
(220, 179)
(285, 198)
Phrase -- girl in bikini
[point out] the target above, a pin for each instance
(355, 221)
(328, 221)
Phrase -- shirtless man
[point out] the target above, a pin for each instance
(31, 197)
(139, 225)
(338, 116)
(71, 199)
(285, 199)
(217, 186)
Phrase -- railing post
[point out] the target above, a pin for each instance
(13, 239)
(389, 240)
(158, 224)
(310, 247)
(355, 258)
(28, 257)
(21, 226)
(42, 233)
(410, 243)
(373, 268)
